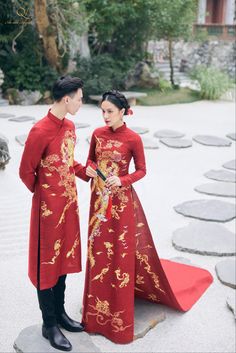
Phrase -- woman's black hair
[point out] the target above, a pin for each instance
(116, 98)
(66, 85)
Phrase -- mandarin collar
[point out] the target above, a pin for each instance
(119, 129)
(54, 118)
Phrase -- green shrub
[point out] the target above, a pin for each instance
(101, 73)
(213, 82)
(164, 85)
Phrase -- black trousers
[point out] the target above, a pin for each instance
(51, 302)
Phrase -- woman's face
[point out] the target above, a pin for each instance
(112, 115)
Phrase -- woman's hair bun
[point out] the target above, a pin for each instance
(117, 98)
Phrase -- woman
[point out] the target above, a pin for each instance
(122, 260)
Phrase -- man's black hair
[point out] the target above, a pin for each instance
(66, 85)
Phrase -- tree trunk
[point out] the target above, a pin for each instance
(171, 62)
(46, 33)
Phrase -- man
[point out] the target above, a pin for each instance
(48, 170)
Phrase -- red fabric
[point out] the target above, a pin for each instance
(48, 170)
(122, 259)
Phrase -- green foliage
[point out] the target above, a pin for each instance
(213, 82)
(26, 69)
(101, 73)
(164, 85)
(21, 55)
(121, 28)
(171, 96)
(174, 19)
(200, 35)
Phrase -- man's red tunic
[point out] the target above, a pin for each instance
(48, 170)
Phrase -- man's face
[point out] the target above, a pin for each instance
(74, 103)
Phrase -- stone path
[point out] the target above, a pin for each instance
(217, 189)
(30, 340)
(147, 316)
(168, 134)
(21, 119)
(221, 175)
(230, 165)
(205, 238)
(232, 136)
(208, 210)
(231, 303)
(210, 140)
(226, 272)
(6, 116)
(176, 142)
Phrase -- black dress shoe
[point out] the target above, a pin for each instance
(68, 324)
(56, 338)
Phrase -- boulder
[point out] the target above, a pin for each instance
(4, 152)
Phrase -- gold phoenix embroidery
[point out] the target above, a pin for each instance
(124, 278)
(109, 247)
(46, 212)
(104, 316)
(139, 279)
(67, 178)
(57, 249)
(147, 267)
(153, 297)
(122, 238)
(108, 163)
(72, 251)
(101, 275)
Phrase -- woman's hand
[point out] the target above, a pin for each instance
(91, 172)
(113, 181)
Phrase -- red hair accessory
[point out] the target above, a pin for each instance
(130, 112)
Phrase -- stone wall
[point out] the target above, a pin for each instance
(220, 54)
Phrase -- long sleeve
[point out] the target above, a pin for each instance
(91, 154)
(80, 171)
(33, 152)
(139, 162)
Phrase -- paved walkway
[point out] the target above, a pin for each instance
(172, 176)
